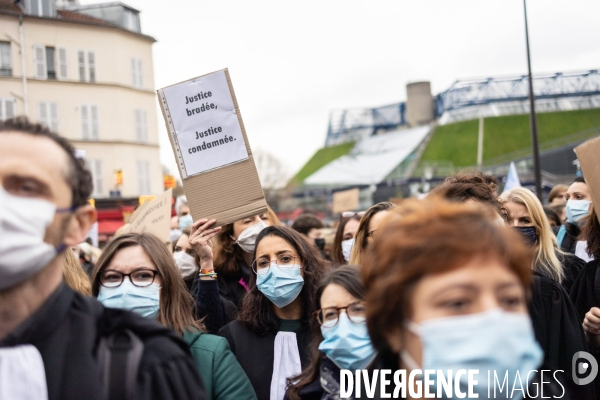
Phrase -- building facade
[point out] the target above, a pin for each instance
(86, 72)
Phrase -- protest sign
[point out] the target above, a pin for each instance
(211, 148)
(588, 154)
(153, 217)
(346, 200)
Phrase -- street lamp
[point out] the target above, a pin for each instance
(532, 119)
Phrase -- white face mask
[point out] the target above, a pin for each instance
(347, 248)
(186, 264)
(23, 224)
(247, 239)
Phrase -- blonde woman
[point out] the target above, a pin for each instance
(526, 214)
(74, 275)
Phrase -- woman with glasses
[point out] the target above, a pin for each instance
(271, 334)
(369, 224)
(340, 337)
(344, 237)
(137, 273)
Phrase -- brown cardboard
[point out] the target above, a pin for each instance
(228, 193)
(588, 154)
(153, 217)
(346, 200)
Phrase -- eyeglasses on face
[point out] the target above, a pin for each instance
(139, 278)
(329, 316)
(284, 261)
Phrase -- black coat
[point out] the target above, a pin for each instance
(572, 266)
(558, 331)
(585, 294)
(230, 286)
(569, 242)
(66, 330)
(256, 353)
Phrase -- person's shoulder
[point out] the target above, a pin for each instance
(205, 341)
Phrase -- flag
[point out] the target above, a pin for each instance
(512, 179)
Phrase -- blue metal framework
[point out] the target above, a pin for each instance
(475, 92)
(353, 124)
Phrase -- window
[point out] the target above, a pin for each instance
(41, 8)
(7, 109)
(141, 128)
(87, 65)
(47, 66)
(89, 122)
(95, 167)
(48, 115)
(137, 77)
(5, 65)
(50, 63)
(143, 168)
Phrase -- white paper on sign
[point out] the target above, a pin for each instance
(206, 126)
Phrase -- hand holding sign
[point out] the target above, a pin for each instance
(211, 148)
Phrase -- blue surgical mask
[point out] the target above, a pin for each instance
(280, 285)
(494, 340)
(185, 221)
(141, 300)
(347, 343)
(576, 210)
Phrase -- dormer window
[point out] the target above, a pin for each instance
(40, 8)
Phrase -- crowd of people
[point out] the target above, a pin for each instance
(464, 279)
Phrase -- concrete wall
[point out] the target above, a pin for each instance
(419, 104)
(112, 93)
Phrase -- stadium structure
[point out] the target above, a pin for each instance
(383, 147)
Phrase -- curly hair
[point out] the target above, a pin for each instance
(78, 177)
(257, 310)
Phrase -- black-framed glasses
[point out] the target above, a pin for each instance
(139, 278)
(350, 214)
(329, 316)
(284, 261)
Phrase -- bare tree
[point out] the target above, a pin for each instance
(273, 174)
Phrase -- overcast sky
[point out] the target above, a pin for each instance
(293, 62)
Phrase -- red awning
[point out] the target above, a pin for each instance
(109, 227)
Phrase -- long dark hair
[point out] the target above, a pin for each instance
(257, 310)
(591, 233)
(338, 255)
(348, 277)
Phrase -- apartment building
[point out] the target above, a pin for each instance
(86, 72)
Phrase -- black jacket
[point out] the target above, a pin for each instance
(558, 331)
(233, 287)
(256, 353)
(66, 330)
(572, 265)
(569, 242)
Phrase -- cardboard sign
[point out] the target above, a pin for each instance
(346, 200)
(588, 154)
(211, 148)
(153, 217)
